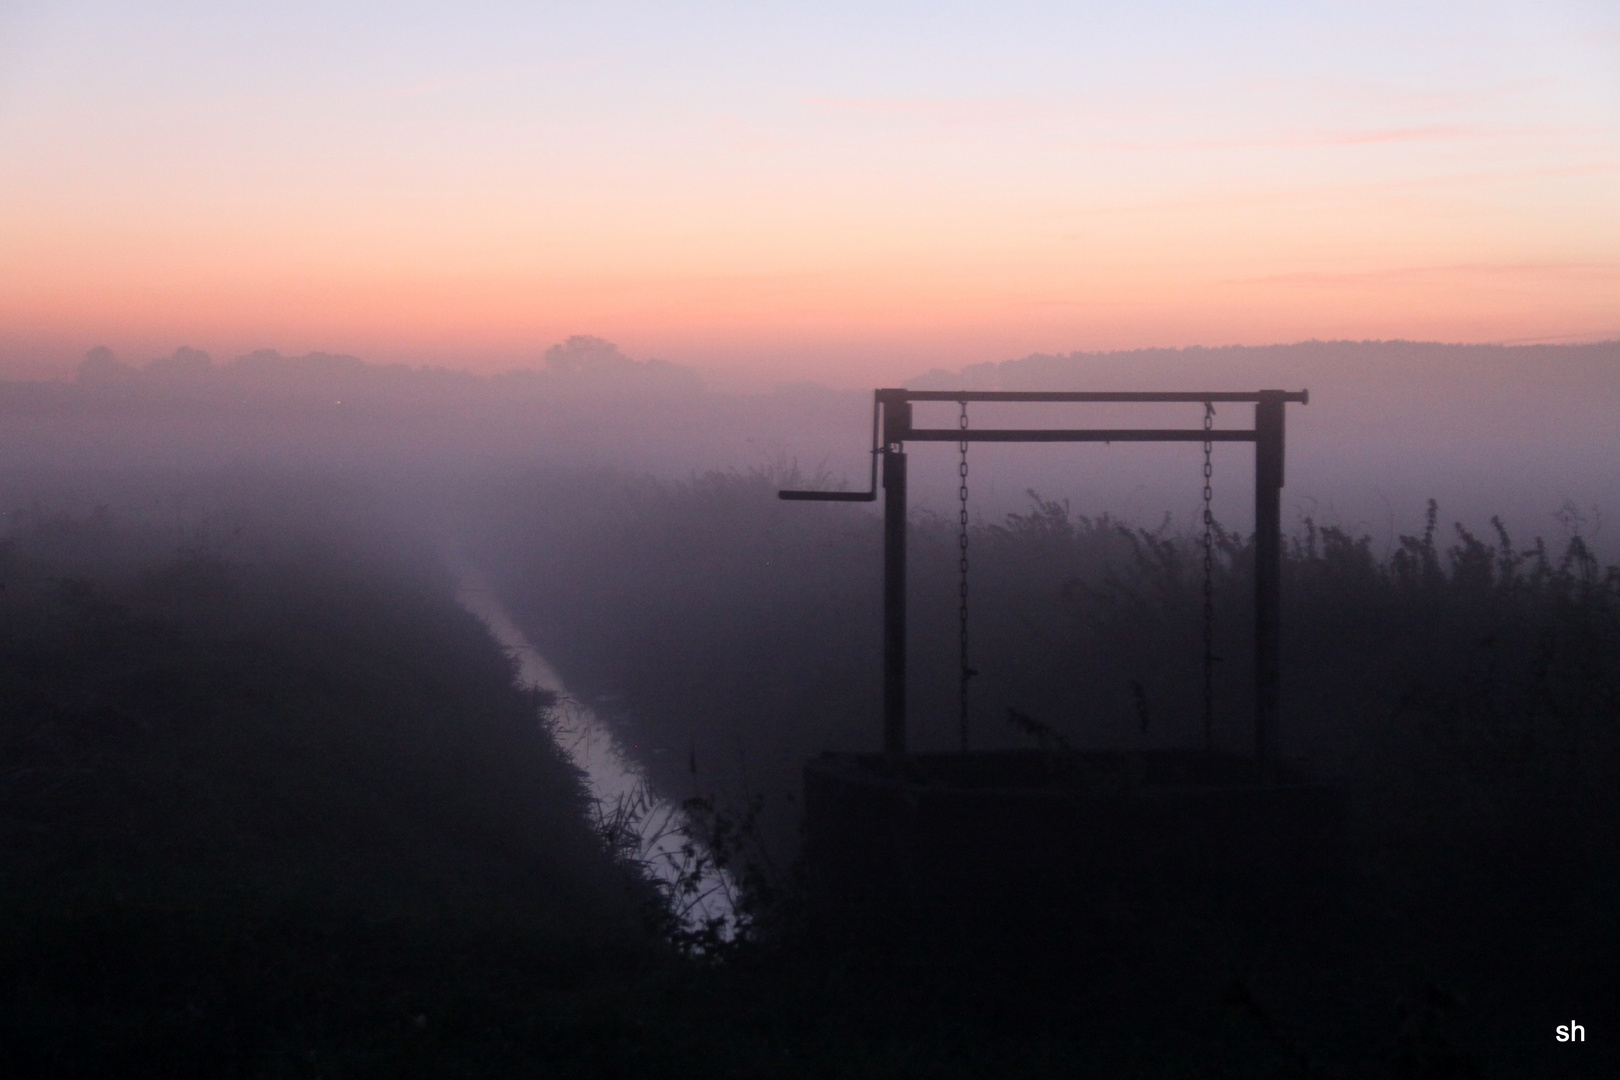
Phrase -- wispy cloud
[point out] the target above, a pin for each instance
(1305, 193)
(1405, 98)
(942, 110)
(1424, 133)
(1566, 339)
(493, 77)
(430, 87)
(1559, 271)
(1061, 115)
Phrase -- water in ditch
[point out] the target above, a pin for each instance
(652, 829)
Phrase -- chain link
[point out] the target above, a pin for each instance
(967, 671)
(1209, 583)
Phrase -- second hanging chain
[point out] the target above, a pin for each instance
(966, 672)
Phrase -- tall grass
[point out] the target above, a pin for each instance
(1466, 685)
(723, 621)
(287, 815)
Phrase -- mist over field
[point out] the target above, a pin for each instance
(409, 667)
(249, 723)
(1523, 433)
(1520, 432)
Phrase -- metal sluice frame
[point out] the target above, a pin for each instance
(892, 429)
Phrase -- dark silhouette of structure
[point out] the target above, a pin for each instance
(984, 845)
(892, 417)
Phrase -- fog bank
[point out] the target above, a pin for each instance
(1519, 432)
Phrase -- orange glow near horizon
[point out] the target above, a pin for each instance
(812, 323)
(792, 224)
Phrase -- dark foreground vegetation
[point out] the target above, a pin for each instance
(272, 806)
(1464, 685)
(287, 817)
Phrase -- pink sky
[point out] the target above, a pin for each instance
(838, 197)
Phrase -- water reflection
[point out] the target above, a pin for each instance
(629, 813)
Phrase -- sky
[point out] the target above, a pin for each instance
(844, 193)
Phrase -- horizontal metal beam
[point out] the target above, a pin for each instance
(1301, 396)
(827, 496)
(1077, 435)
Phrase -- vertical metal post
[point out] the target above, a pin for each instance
(1268, 482)
(896, 426)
